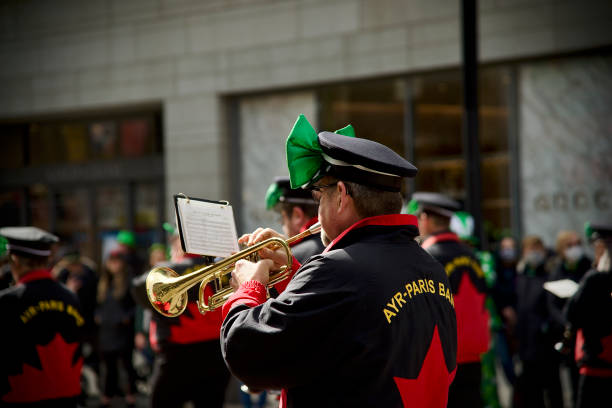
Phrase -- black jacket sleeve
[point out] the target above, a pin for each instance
(288, 340)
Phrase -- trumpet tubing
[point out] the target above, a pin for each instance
(167, 290)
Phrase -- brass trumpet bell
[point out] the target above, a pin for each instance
(167, 290)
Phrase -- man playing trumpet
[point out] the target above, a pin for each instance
(370, 321)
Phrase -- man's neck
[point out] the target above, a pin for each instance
(437, 230)
(19, 273)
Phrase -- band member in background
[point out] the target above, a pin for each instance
(469, 288)
(42, 327)
(188, 365)
(298, 212)
(370, 321)
(6, 277)
(589, 315)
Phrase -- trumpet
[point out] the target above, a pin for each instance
(167, 290)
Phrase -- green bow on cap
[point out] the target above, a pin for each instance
(273, 194)
(412, 207)
(3, 246)
(304, 154)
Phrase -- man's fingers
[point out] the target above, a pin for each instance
(278, 256)
(244, 238)
(268, 263)
(252, 236)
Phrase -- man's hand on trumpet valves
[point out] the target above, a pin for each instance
(279, 256)
(260, 234)
(245, 271)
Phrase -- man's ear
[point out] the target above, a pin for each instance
(343, 195)
(298, 213)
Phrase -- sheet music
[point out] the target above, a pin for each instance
(564, 288)
(207, 228)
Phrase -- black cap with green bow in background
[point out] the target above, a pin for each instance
(280, 191)
(342, 155)
(425, 201)
(28, 241)
(598, 230)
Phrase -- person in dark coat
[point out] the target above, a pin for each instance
(369, 322)
(298, 212)
(42, 327)
(469, 289)
(504, 296)
(571, 262)
(539, 384)
(589, 317)
(6, 277)
(79, 275)
(115, 316)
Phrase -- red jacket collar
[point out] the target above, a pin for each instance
(308, 224)
(439, 237)
(386, 220)
(35, 274)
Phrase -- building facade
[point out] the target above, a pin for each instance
(108, 108)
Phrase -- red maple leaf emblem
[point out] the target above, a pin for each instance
(197, 327)
(472, 322)
(58, 378)
(430, 388)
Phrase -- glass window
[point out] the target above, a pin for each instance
(493, 96)
(12, 151)
(374, 108)
(11, 204)
(75, 142)
(111, 207)
(438, 146)
(40, 206)
(45, 144)
(135, 138)
(147, 205)
(103, 139)
(438, 149)
(73, 219)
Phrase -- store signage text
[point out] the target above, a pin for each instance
(579, 200)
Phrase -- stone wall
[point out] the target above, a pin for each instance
(566, 144)
(64, 56)
(265, 122)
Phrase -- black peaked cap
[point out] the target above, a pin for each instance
(289, 193)
(28, 241)
(601, 231)
(436, 202)
(372, 157)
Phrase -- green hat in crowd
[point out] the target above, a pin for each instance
(280, 191)
(127, 238)
(169, 228)
(462, 224)
(3, 248)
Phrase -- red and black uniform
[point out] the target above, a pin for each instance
(469, 290)
(589, 312)
(309, 246)
(189, 365)
(42, 329)
(301, 250)
(369, 323)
